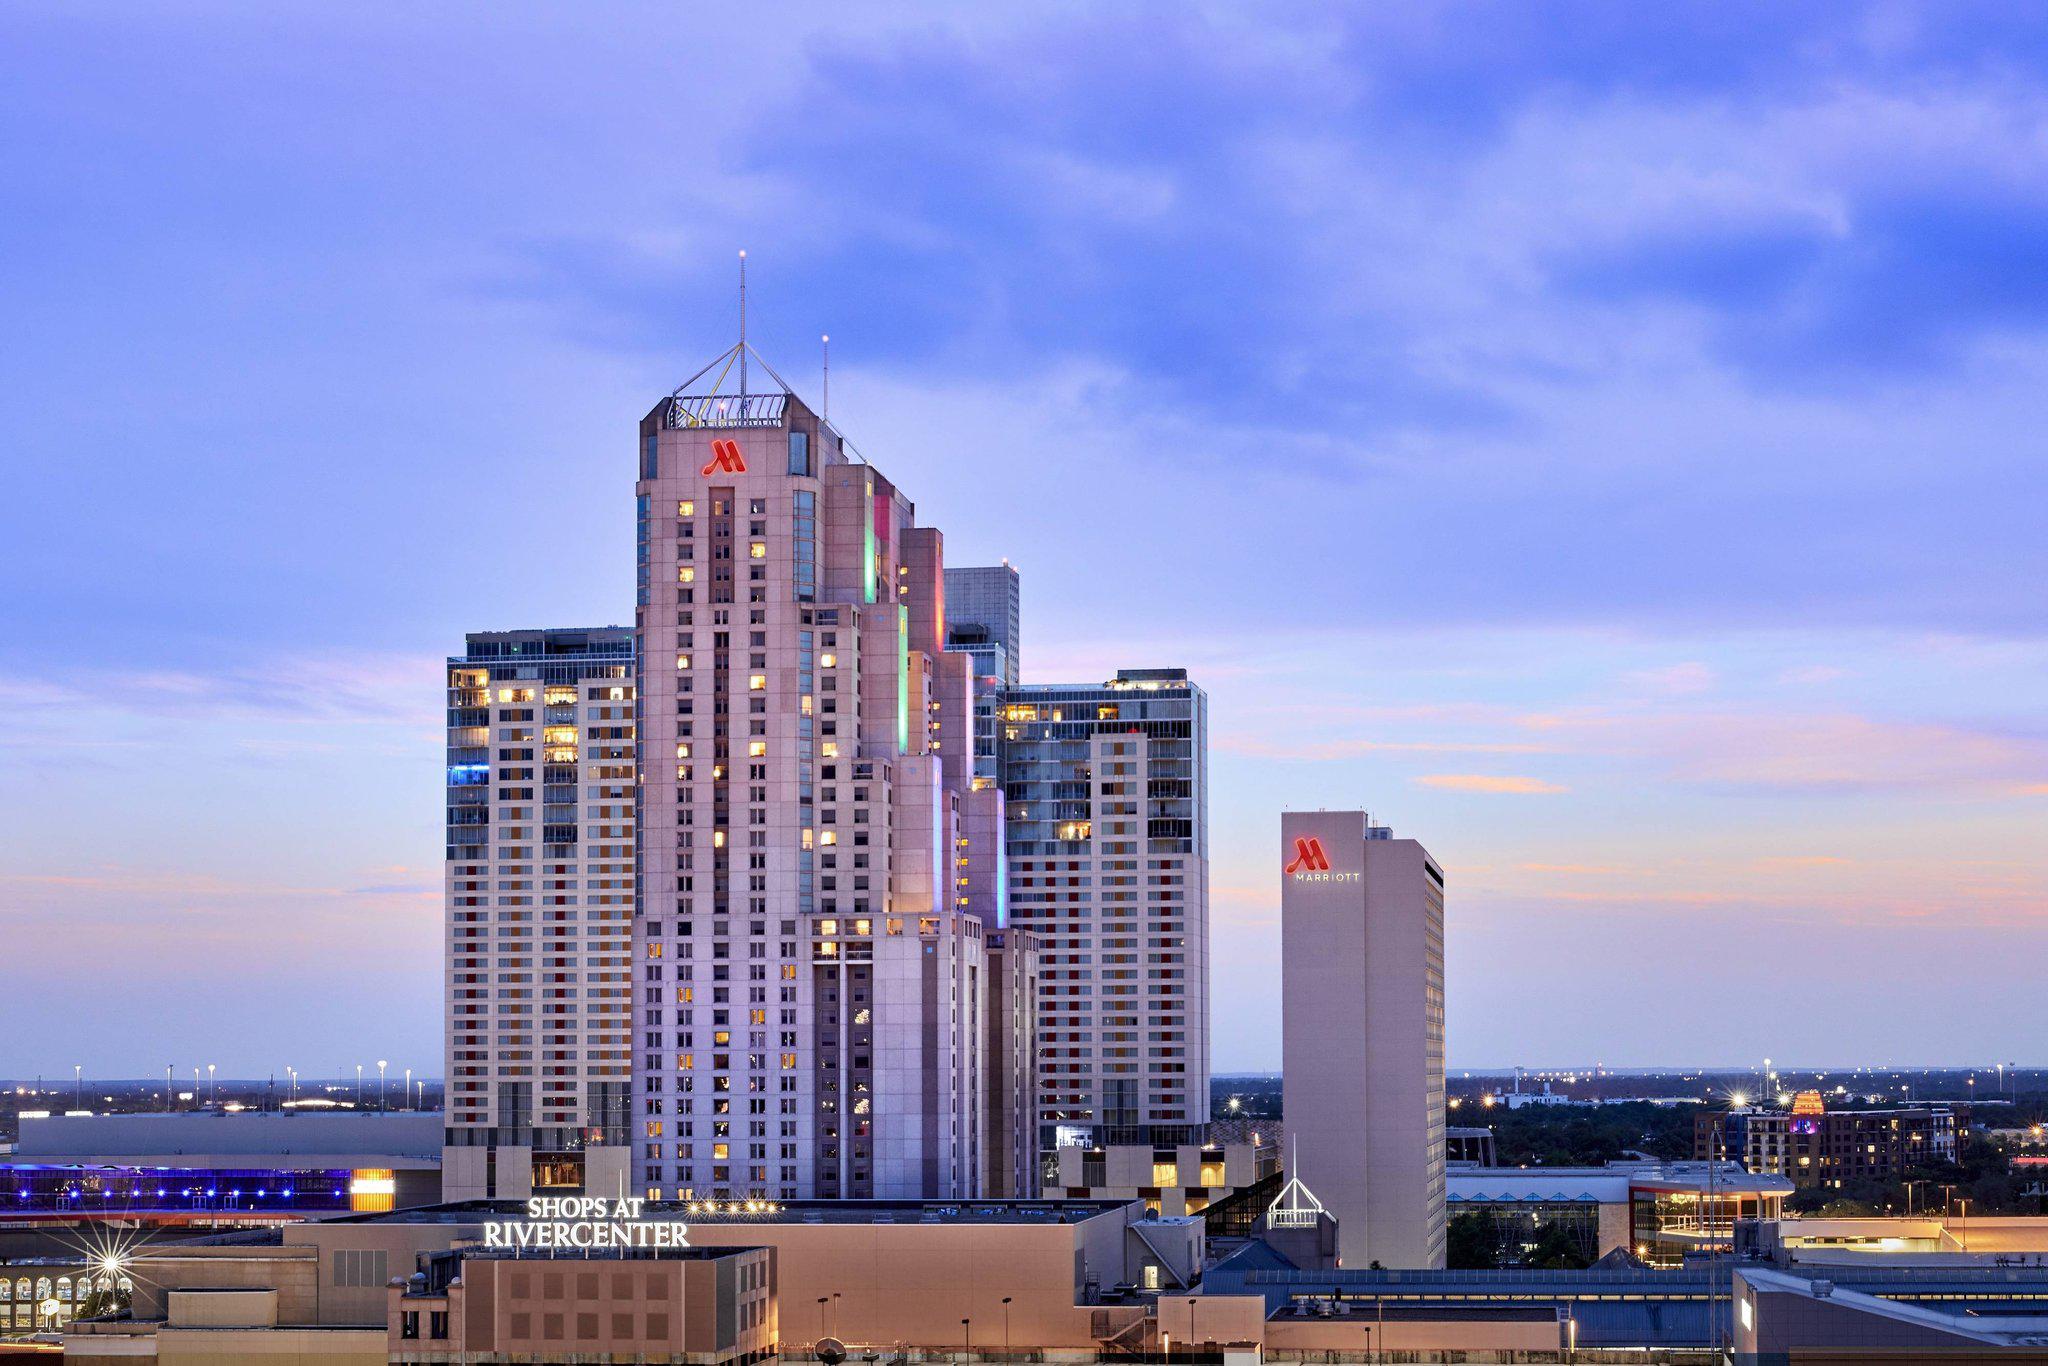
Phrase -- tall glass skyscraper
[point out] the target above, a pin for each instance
(539, 902)
(984, 619)
(1106, 860)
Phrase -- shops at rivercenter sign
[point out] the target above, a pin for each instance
(584, 1223)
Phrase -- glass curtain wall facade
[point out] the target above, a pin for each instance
(540, 819)
(1106, 817)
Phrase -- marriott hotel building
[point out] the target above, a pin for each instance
(813, 986)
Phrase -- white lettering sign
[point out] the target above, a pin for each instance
(584, 1223)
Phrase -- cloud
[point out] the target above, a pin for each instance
(1254, 746)
(1676, 679)
(1485, 782)
(1813, 752)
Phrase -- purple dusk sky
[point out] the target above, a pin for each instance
(1604, 441)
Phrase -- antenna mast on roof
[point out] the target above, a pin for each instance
(826, 342)
(743, 324)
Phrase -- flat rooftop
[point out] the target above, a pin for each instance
(783, 1212)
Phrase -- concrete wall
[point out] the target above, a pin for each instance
(1362, 1037)
(160, 1272)
(350, 1290)
(915, 1282)
(256, 1308)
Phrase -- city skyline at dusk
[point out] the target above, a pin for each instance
(1607, 457)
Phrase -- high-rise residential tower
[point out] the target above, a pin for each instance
(539, 896)
(984, 618)
(1106, 806)
(1362, 1022)
(812, 1009)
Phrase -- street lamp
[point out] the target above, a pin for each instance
(406, 1104)
(967, 1336)
(359, 1086)
(381, 1065)
(212, 1091)
(78, 1081)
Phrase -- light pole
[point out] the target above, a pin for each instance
(381, 1065)
(406, 1104)
(967, 1337)
(78, 1082)
(170, 1087)
(212, 1091)
(359, 1086)
(822, 1302)
(1006, 1325)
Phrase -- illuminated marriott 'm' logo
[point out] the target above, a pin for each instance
(1309, 857)
(1311, 864)
(725, 455)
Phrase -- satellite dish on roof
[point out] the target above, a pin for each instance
(831, 1351)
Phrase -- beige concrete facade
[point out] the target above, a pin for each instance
(693, 1307)
(887, 1273)
(813, 986)
(1362, 980)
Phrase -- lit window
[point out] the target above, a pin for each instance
(686, 508)
(830, 749)
(682, 751)
(682, 661)
(718, 839)
(756, 682)
(828, 927)
(721, 1151)
(757, 749)
(686, 573)
(829, 837)
(828, 660)
(757, 550)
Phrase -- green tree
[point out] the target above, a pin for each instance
(1555, 1250)
(1471, 1243)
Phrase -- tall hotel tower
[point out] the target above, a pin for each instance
(1362, 1032)
(539, 903)
(1106, 844)
(1106, 828)
(812, 1013)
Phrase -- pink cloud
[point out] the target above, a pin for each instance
(1807, 751)
(1350, 749)
(1689, 677)
(1488, 782)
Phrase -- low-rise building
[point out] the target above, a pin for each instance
(1170, 1181)
(284, 1165)
(710, 1305)
(1063, 1274)
(1662, 1213)
(1816, 1146)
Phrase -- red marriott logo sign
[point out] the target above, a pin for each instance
(1311, 864)
(725, 455)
